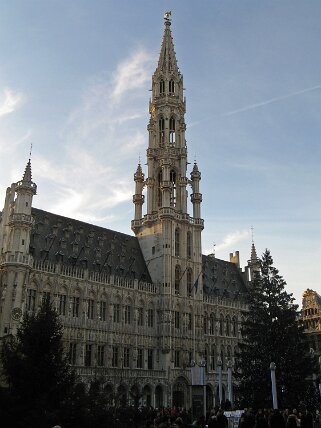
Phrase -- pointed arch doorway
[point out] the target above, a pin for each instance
(180, 392)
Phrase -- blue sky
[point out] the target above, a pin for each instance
(75, 79)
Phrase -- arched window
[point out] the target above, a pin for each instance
(162, 87)
(234, 326)
(205, 323)
(159, 198)
(171, 86)
(221, 325)
(177, 239)
(161, 127)
(173, 188)
(177, 278)
(189, 245)
(172, 130)
(212, 324)
(227, 326)
(222, 358)
(212, 358)
(189, 276)
(228, 353)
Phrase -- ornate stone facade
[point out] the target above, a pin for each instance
(311, 318)
(136, 309)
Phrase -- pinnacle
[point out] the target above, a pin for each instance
(254, 257)
(27, 177)
(195, 167)
(167, 62)
(139, 169)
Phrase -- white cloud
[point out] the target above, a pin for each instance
(131, 74)
(102, 140)
(9, 101)
(231, 239)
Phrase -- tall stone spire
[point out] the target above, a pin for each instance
(169, 237)
(167, 229)
(167, 62)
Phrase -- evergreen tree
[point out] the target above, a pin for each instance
(36, 371)
(271, 332)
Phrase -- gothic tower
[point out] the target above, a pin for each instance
(169, 237)
(15, 260)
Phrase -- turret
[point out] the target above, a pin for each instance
(18, 211)
(15, 260)
(196, 196)
(138, 198)
(254, 263)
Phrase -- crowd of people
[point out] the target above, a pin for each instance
(265, 418)
(144, 417)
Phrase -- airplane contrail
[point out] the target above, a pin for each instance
(270, 101)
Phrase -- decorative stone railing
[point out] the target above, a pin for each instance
(98, 277)
(114, 372)
(16, 257)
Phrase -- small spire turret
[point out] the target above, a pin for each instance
(138, 198)
(254, 262)
(196, 196)
(254, 257)
(27, 176)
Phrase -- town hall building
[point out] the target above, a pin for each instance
(139, 310)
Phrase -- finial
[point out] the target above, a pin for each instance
(167, 16)
(30, 151)
(214, 245)
(252, 232)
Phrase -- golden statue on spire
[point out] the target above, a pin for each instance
(167, 15)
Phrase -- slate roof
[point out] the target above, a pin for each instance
(222, 278)
(57, 239)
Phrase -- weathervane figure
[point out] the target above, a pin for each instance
(167, 15)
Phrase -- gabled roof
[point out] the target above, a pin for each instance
(71, 242)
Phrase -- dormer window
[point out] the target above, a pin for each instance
(171, 86)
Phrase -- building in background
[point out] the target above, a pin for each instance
(136, 310)
(311, 318)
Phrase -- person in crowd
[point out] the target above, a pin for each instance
(306, 420)
(291, 422)
(261, 420)
(276, 419)
(221, 419)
